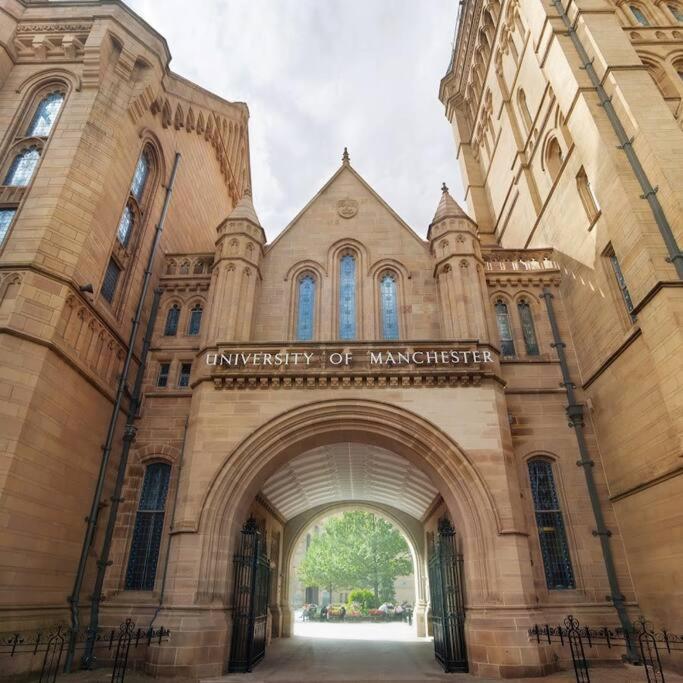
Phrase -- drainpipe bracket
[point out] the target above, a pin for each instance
(605, 102)
(628, 143)
(583, 67)
(558, 345)
(650, 193)
(606, 533)
(676, 257)
(585, 463)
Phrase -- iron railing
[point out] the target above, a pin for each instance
(649, 643)
(112, 644)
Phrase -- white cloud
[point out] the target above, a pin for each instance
(321, 74)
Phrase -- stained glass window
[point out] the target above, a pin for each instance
(638, 14)
(22, 168)
(528, 331)
(676, 11)
(551, 532)
(347, 297)
(162, 379)
(621, 282)
(111, 279)
(172, 318)
(306, 308)
(195, 323)
(389, 306)
(137, 187)
(6, 218)
(149, 525)
(125, 225)
(507, 344)
(46, 114)
(184, 376)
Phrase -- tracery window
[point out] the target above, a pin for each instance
(507, 344)
(172, 318)
(149, 525)
(28, 145)
(195, 323)
(552, 537)
(389, 306)
(137, 189)
(639, 15)
(125, 228)
(22, 168)
(526, 318)
(111, 280)
(676, 11)
(6, 218)
(46, 114)
(347, 297)
(554, 158)
(305, 308)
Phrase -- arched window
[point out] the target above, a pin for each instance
(195, 322)
(22, 168)
(528, 331)
(676, 11)
(46, 114)
(389, 306)
(553, 158)
(588, 199)
(550, 523)
(347, 297)
(125, 228)
(524, 110)
(149, 525)
(507, 344)
(172, 318)
(639, 16)
(137, 187)
(6, 218)
(305, 314)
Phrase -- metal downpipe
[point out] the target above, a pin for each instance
(626, 145)
(91, 519)
(575, 415)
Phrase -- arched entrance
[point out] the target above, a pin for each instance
(496, 572)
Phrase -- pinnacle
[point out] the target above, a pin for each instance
(448, 207)
(244, 209)
(346, 159)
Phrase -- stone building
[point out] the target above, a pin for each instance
(349, 363)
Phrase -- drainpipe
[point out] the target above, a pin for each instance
(129, 433)
(626, 145)
(91, 519)
(170, 537)
(575, 415)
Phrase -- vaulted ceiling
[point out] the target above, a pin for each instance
(349, 472)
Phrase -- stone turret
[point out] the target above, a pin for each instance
(459, 271)
(236, 273)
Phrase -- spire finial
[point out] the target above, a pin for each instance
(444, 188)
(345, 157)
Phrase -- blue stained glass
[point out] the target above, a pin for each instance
(149, 525)
(528, 330)
(125, 225)
(347, 298)
(389, 301)
(6, 218)
(172, 318)
(676, 11)
(137, 187)
(195, 321)
(46, 114)
(638, 14)
(22, 168)
(306, 308)
(551, 532)
(507, 344)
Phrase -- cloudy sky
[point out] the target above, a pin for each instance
(321, 74)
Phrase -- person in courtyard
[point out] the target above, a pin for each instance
(342, 613)
(323, 613)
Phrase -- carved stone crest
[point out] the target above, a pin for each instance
(347, 208)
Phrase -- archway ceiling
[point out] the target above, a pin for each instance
(349, 472)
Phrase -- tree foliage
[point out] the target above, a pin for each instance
(364, 597)
(356, 550)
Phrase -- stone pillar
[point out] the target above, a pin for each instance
(459, 271)
(236, 274)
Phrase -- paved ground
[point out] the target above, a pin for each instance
(360, 653)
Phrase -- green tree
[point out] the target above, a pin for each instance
(356, 550)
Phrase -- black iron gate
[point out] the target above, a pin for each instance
(448, 606)
(250, 611)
